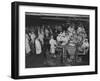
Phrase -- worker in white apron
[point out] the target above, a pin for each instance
(27, 46)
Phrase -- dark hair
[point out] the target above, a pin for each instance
(36, 32)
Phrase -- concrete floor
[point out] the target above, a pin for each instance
(34, 61)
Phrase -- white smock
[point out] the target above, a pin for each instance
(52, 45)
(27, 47)
(38, 46)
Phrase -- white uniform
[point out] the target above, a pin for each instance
(38, 46)
(41, 37)
(27, 47)
(52, 47)
(33, 37)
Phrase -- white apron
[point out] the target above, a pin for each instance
(27, 47)
(38, 46)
